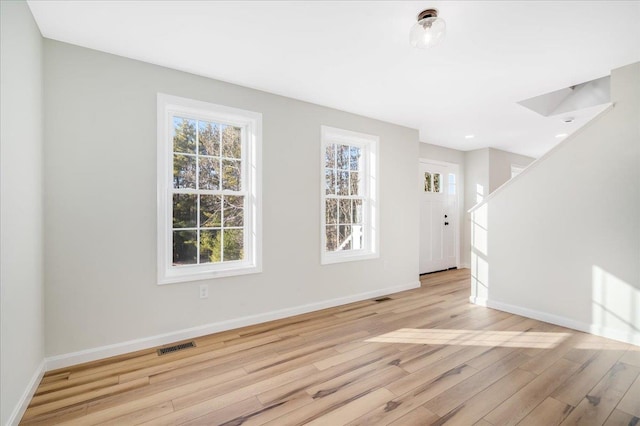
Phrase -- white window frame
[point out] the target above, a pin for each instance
(371, 224)
(251, 124)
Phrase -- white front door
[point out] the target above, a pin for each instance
(438, 216)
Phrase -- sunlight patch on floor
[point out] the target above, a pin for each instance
(511, 339)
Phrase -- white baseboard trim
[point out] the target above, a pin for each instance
(25, 399)
(631, 337)
(478, 300)
(464, 266)
(88, 355)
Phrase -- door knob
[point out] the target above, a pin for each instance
(445, 216)
(446, 223)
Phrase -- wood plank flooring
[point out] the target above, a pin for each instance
(424, 356)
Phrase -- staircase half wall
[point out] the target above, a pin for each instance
(561, 242)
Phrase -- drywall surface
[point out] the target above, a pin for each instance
(500, 166)
(441, 153)
(561, 241)
(485, 171)
(476, 188)
(100, 172)
(21, 251)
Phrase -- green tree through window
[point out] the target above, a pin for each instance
(349, 195)
(208, 200)
(209, 190)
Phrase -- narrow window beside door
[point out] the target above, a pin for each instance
(452, 184)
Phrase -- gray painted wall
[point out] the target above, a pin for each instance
(21, 252)
(476, 183)
(500, 166)
(486, 170)
(100, 173)
(441, 153)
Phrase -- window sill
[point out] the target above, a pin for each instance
(328, 259)
(185, 275)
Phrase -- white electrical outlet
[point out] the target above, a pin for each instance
(204, 291)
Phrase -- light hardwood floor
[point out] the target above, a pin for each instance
(424, 356)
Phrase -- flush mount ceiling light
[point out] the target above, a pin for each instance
(428, 31)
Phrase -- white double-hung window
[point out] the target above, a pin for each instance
(349, 189)
(209, 205)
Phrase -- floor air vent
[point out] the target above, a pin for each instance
(175, 348)
(382, 299)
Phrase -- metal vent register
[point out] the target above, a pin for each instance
(174, 348)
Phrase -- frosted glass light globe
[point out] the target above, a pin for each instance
(427, 32)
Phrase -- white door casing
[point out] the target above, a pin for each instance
(438, 215)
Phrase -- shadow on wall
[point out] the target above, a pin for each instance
(615, 306)
(479, 251)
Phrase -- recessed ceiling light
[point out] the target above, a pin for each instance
(470, 136)
(561, 135)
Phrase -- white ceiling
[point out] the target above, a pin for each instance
(355, 55)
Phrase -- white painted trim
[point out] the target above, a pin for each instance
(464, 266)
(516, 169)
(25, 399)
(439, 162)
(66, 360)
(480, 301)
(251, 124)
(609, 333)
(536, 162)
(369, 145)
(457, 238)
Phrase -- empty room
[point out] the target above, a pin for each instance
(319, 212)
